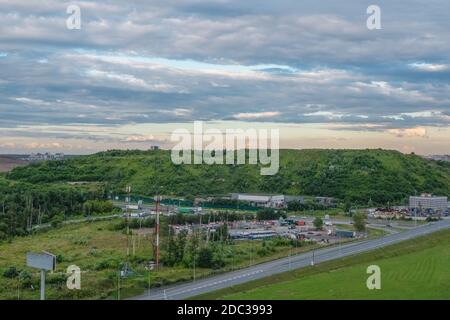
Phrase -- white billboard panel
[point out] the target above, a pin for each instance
(42, 261)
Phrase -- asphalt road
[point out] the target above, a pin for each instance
(212, 283)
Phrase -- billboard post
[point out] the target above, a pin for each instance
(44, 262)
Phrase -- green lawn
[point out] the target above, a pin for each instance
(415, 269)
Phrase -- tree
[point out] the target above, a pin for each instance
(347, 206)
(268, 214)
(97, 207)
(221, 233)
(205, 257)
(359, 221)
(295, 206)
(318, 223)
(168, 255)
(190, 255)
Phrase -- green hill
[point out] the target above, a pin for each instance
(354, 175)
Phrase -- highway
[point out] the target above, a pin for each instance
(212, 283)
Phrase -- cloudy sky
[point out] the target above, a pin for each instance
(136, 70)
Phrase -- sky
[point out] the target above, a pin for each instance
(137, 70)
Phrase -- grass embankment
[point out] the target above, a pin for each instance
(414, 269)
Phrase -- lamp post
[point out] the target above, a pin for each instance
(290, 249)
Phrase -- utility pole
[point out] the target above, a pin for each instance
(194, 266)
(157, 199)
(290, 258)
(340, 251)
(128, 221)
(149, 284)
(118, 286)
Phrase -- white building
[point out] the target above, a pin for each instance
(45, 156)
(427, 201)
(264, 200)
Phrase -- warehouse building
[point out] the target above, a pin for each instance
(266, 200)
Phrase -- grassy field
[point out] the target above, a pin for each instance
(93, 247)
(99, 250)
(7, 163)
(415, 269)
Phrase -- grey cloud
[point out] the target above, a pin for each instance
(336, 71)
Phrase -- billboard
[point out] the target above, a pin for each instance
(43, 261)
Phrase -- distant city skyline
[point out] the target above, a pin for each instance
(135, 71)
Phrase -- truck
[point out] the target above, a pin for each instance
(345, 233)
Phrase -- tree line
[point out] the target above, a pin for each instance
(24, 205)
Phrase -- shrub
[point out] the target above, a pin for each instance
(269, 214)
(11, 272)
(57, 221)
(318, 223)
(25, 279)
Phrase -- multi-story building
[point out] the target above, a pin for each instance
(427, 201)
(45, 156)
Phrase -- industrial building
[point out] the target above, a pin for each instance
(326, 201)
(266, 200)
(427, 201)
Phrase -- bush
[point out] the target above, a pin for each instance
(57, 221)
(11, 273)
(107, 264)
(205, 257)
(269, 214)
(266, 249)
(318, 223)
(25, 279)
(92, 207)
(56, 279)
